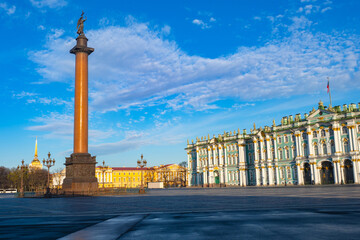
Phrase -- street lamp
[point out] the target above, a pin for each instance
(103, 170)
(48, 163)
(141, 163)
(22, 167)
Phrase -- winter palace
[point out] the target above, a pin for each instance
(321, 147)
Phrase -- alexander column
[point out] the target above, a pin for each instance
(80, 166)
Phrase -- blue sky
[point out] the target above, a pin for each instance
(167, 71)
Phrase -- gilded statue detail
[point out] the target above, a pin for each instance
(80, 25)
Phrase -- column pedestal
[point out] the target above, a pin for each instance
(80, 173)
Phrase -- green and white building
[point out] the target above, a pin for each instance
(321, 147)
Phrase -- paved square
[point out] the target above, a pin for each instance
(321, 212)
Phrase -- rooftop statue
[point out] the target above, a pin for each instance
(80, 24)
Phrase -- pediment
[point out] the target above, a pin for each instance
(321, 114)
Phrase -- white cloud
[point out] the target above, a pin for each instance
(212, 19)
(48, 3)
(200, 23)
(9, 10)
(144, 69)
(41, 27)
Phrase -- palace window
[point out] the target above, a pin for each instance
(332, 147)
(304, 136)
(331, 132)
(280, 154)
(286, 138)
(293, 152)
(344, 130)
(324, 149)
(279, 140)
(315, 134)
(323, 133)
(250, 146)
(273, 153)
(293, 138)
(288, 173)
(305, 150)
(287, 152)
(346, 147)
(359, 128)
(316, 150)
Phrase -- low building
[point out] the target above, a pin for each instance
(172, 175)
(321, 147)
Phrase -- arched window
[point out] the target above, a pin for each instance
(293, 138)
(331, 132)
(279, 139)
(346, 147)
(323, 133)
(273, 153)
(344, 130)
(324, 149)
(286, 139)
(316, 150)
(287, 154)
(358, 128)
(315, 134)
(280, 154)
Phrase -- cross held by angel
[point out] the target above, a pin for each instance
(80, 24)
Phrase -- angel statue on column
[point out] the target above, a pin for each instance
(80, 24)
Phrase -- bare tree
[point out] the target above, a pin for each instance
(183, 173)
(4, 180)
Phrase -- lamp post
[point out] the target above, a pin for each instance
(48, 163)
(141, 163)
(103, 170)
(22, 167)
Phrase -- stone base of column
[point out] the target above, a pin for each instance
(80, 173)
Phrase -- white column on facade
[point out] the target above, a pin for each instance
(317, 174)
(337, 137)
(221, 164)
(263, 162)
(198, 166)
(189, 168)
(313, 170)
(336, 174)
(299, 151)
(242, 161)
(356, 172)
(270, 161)
(351, 138)
(277, 178)
(310, 145)
(299, 174)
(256, 163)
(226, 179)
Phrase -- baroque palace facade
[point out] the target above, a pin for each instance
(320, 148)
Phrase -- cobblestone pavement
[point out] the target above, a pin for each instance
(311, 212)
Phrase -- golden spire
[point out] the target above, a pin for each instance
(36, 155)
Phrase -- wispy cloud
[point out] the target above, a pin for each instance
(48, 3)
(149, 70)
(8, 9)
